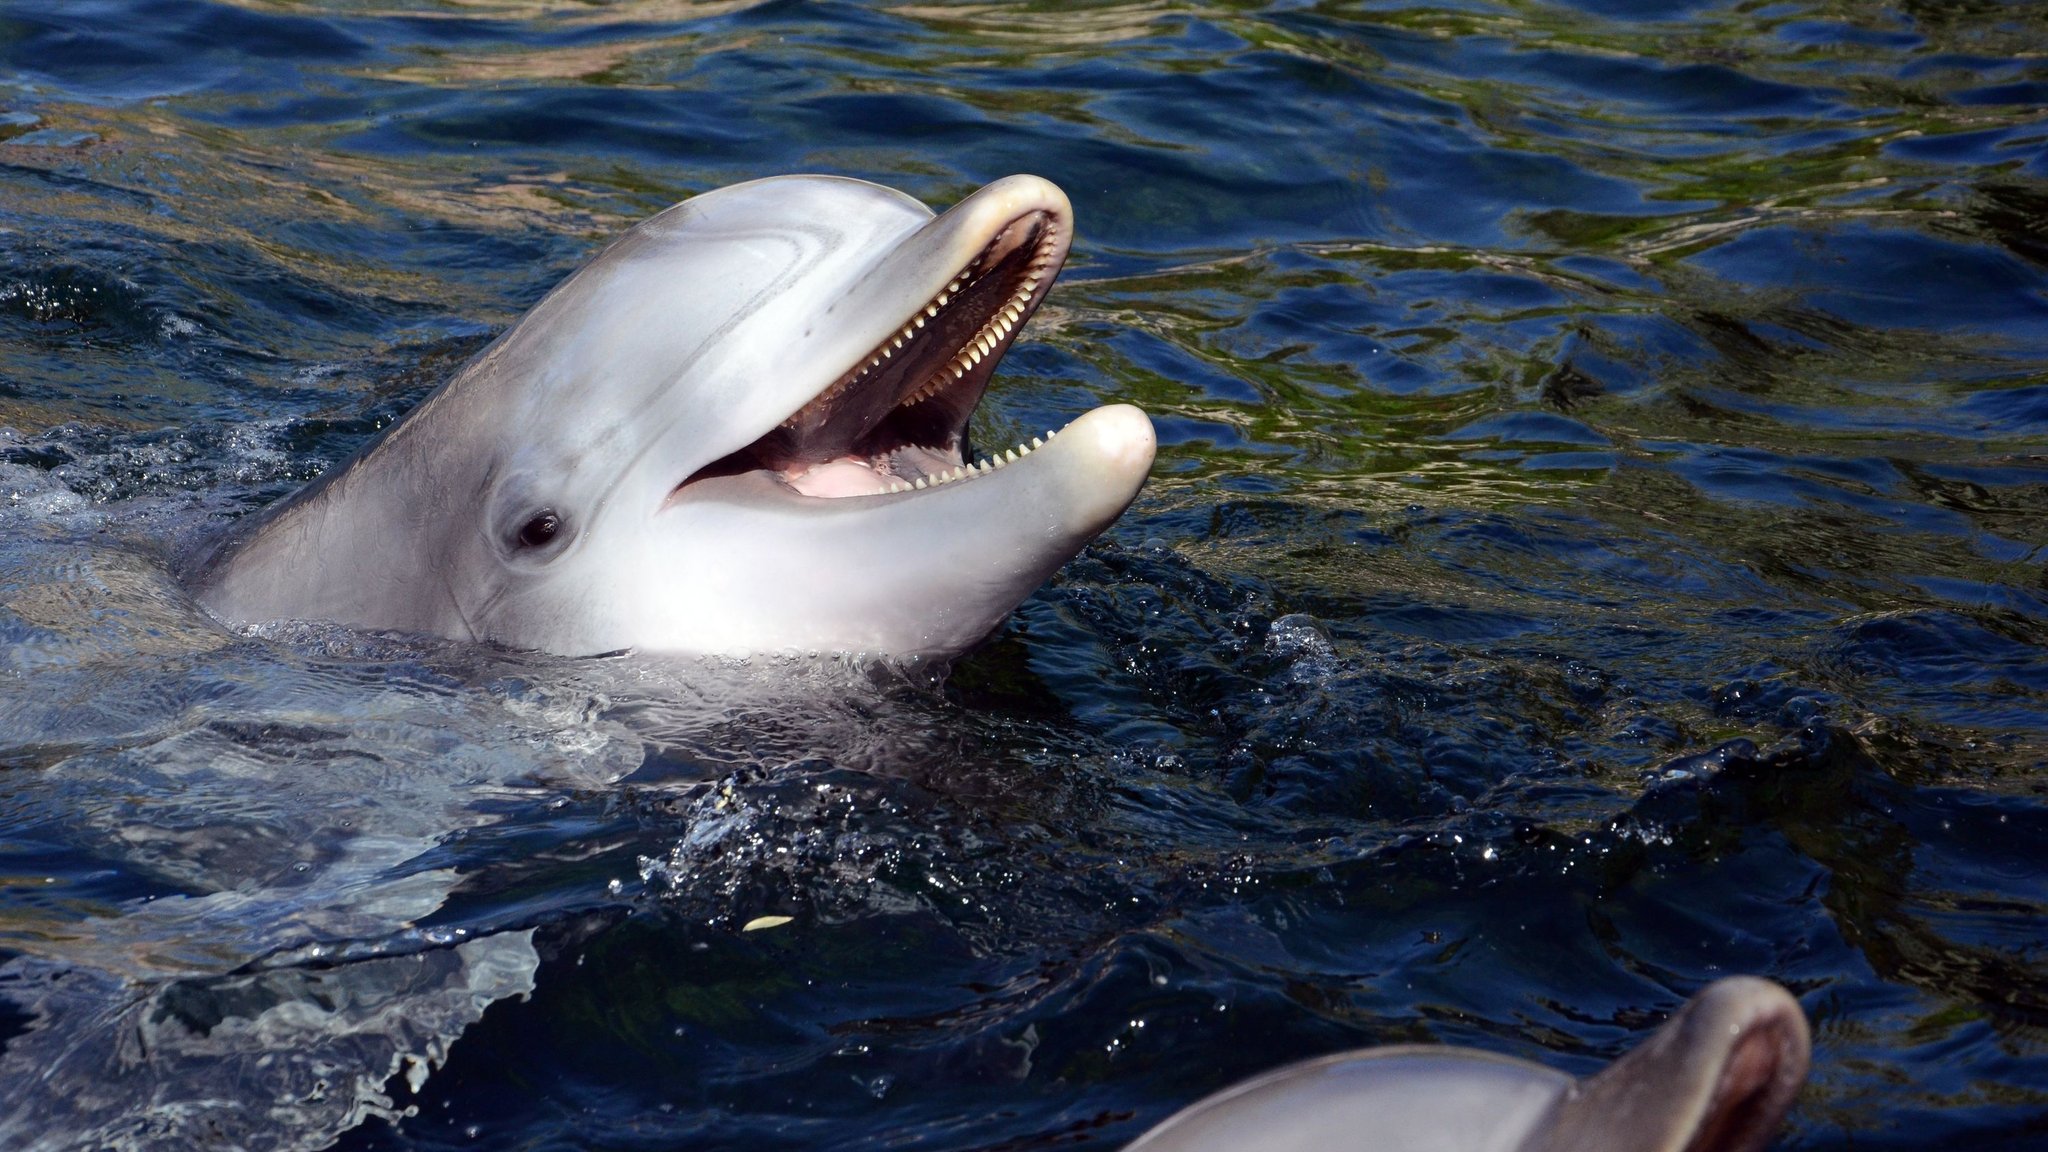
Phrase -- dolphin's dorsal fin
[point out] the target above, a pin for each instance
(1717, 1077)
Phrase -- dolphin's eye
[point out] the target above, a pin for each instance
(540, 529)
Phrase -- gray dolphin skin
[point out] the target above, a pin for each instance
(1717, 1077)
(739, 429)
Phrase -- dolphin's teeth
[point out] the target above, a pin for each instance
(885, 353)
(920, 483)
(1049, 435)
(958, 371)
(1010, 456)
(920, 323)
(932, 309)
(943, 297)
(1037, 443)
(976, 353)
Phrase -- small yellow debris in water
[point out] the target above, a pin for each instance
(766, 922)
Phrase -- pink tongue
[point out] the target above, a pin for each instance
(845, 477)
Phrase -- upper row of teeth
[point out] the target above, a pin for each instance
(984, 465)
(992, 334)
(877, 357)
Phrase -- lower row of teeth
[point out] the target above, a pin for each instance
(967, 471)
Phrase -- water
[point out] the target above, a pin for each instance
(1597, 546)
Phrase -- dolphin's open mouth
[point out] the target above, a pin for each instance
(896, 420)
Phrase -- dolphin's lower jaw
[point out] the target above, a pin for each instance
(916, 572)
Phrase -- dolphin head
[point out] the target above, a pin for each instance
(1717, 1077)
(741, 428)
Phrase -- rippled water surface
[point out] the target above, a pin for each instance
(1597, 545)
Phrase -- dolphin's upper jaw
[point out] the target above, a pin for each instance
(896, 421)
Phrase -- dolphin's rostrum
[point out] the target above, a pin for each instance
(741, 428)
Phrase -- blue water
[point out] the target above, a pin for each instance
(1599, 544)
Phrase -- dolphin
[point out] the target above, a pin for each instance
(1717, 1077)
(741, 428)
